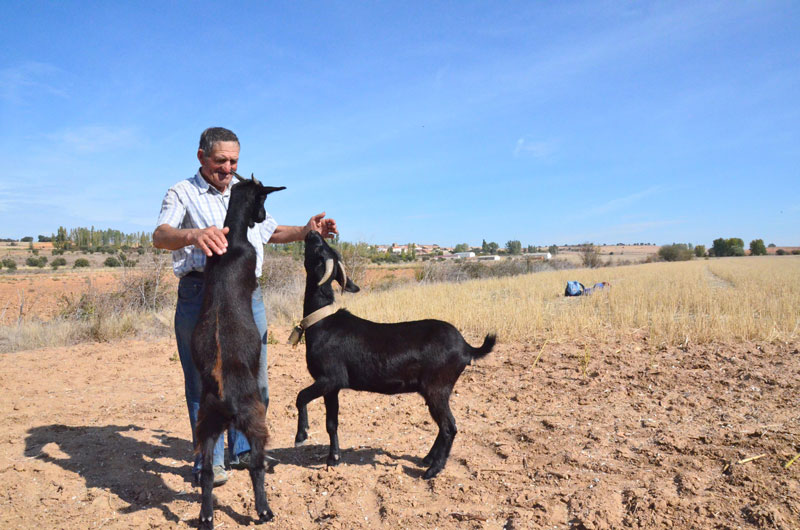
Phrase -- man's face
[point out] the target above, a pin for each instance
(218, 166)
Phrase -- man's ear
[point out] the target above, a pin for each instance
(200, 155)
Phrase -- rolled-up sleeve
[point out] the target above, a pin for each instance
(267, 228)
(172, 210)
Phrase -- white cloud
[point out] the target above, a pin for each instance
(96, 138)
(617, 203)
(21, 80)
(526, 146)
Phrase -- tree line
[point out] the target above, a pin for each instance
(91, 239)
(721, 247)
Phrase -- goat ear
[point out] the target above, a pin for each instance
(266, 190)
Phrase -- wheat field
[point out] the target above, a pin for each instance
(697, 301)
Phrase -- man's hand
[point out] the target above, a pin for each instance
(326, 227)
(210, 240)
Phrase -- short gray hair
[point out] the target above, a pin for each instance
(212, 135)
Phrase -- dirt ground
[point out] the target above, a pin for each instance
(609, 435)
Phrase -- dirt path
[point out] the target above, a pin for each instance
(96, 436)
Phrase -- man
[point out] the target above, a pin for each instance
(191, 225)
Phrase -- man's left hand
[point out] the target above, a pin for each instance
(326, 227)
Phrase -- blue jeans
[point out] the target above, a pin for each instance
(187, 311)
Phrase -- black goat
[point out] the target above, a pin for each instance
(226, 347)
(345, 351)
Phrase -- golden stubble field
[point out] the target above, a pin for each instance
(669, 401)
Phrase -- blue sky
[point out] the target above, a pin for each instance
(427, 122)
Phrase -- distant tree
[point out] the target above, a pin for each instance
(27, 239)
(590, 255)
(514, 247)
(700, 251)
(461, 247)
(675, 252)
(493, 247)
(60, 238)
(771, 245)
(44, 239)
(757, 248)
(728, 247)
(553, 249)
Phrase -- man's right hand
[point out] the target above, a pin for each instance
(210, 240)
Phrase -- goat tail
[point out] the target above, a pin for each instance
(483, 349)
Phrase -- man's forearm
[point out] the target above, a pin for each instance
(169, 238)
(288, 234)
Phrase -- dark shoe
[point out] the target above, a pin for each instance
(243, 462)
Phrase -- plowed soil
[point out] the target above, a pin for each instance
(595, 435)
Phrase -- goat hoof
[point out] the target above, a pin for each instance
(206, 523)
(333, 461)
(427, 461)
(432, 472)
(265, 516)
(300, 443)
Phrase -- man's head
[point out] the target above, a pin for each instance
(218, 154)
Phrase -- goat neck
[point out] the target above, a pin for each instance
(238, 217)
(316, 296)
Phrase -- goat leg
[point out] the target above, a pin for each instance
(435, 449)
(440, 411)
(207, 484)
(254, 427)
(308, 394)
(332, 426)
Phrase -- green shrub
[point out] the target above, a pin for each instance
(675, 252)
(80, 262)
(58, 262)
(36, 262)
(700, 251)
(111, 261)
(10, 264)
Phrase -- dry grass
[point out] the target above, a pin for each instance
(672, 303)
(739, 299)
(140, 305)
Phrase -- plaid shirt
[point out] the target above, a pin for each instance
(193, 203)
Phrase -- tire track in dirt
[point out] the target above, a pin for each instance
(717, 282)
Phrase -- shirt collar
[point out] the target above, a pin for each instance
(205, 187)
